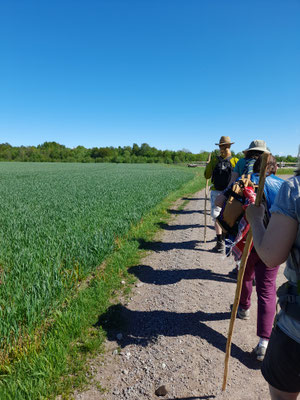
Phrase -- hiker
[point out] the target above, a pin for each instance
(245, 165)
(277, 243)
(219, 169)
(265, 278)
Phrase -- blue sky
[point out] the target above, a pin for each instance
(172, 73)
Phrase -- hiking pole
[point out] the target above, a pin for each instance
(205, 201)
(258, 199)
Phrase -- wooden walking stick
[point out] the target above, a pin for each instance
(260, 191)
(205, 201)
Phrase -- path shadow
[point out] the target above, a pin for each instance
(167, 227)
(193, 198)
(210, 250)
(211, 240)
(176, 212)
(162, 246)
(147, 274)
(194, 398)
(144, 327)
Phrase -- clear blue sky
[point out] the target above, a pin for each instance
(172, 73)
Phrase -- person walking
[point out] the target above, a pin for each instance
(219, 170)
(277, 243)
(244, 166)
(265, 278)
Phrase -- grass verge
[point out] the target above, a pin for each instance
(54, 361)
(286, 171)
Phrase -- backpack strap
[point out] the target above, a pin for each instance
(237, 196)
(289, 300)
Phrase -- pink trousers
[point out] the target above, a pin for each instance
(265, 279)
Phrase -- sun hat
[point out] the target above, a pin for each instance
(224, 140)
(259, 145)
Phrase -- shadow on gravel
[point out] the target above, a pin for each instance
(194, 198)
(194, 398)
(163, 246)
(143, 327)
(167, 227)
(176, 212)
(147, 274)
(211, 250)
(212, 240)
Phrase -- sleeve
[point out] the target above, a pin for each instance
(239, 167)
(235, 161)
(285, 201)
(209, 168)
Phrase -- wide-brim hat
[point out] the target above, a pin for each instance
(224, 140)
(259, 145)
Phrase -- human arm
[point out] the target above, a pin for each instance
(272, 244)
(209, 168)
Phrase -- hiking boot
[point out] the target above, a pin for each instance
(243, 314)
(259, 352)
(234, 272)
(219, 247)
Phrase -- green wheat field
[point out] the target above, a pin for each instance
(58, 222)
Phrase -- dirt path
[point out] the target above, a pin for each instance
(177, 322)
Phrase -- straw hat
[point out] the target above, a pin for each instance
(259, 145)
(224, 140)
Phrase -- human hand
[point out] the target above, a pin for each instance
(254, 212)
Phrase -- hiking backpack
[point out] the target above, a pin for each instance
(222, 173)
(241, 193)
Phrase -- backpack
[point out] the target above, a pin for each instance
(239, 195)
(222, 173)
(232, 217)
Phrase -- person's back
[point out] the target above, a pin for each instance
(278, 243)
(224, 163)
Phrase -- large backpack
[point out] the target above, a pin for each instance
(222, 173)
(241, 193)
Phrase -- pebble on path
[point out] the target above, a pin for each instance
(161, 391)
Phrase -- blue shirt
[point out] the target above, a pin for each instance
(272, 186)
(288, 203)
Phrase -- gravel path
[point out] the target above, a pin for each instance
(176, 323)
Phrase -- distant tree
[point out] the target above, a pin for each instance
(53, 152)
(135, 149)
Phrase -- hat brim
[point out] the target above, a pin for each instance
(222, 144)
(258, 149)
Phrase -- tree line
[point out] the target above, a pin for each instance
(55, 152)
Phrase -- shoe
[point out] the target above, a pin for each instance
(259, 352)
(219, 248)
(243, 314)
(234, 272)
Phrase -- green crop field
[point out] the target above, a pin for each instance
(58, 222)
